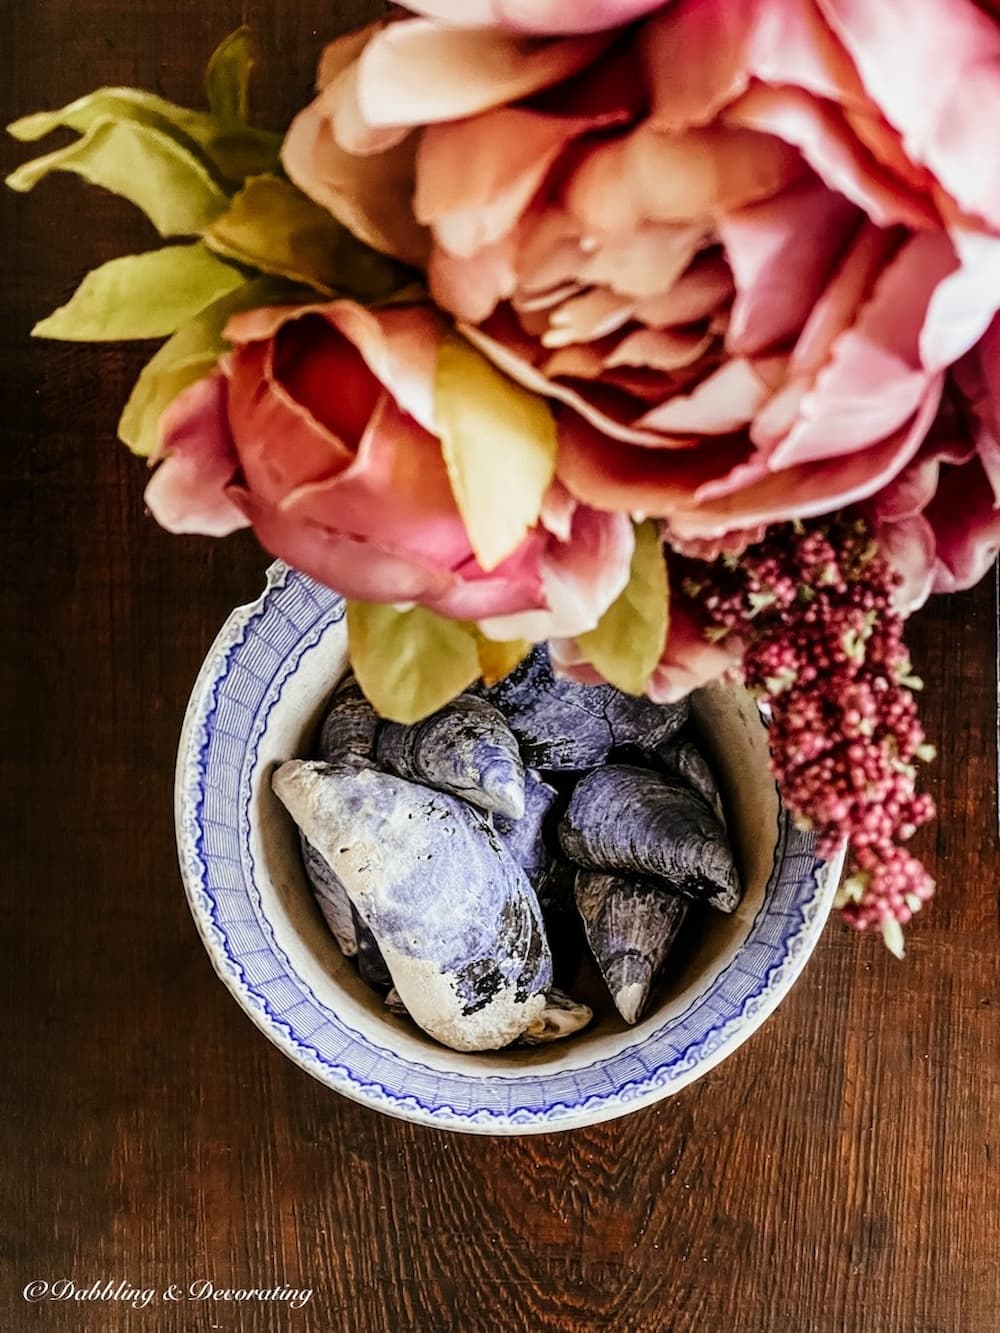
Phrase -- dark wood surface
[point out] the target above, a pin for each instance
(839, 1174)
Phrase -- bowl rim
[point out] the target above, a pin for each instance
(815, 882)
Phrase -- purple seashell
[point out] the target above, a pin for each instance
(331, 898)
(631, 925)
(453, 913)
(350, 726)
(562, 1017)
(641, 722)
(524, 838)
(558, 723)
(466, 749)
(633, 821)
(684, 761)
(371, 964)
(563, 725)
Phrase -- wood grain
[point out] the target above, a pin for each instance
(839, 1174)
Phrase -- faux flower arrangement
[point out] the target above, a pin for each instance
(662, 331)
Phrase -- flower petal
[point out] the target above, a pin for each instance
(946, 106)
(611, 475)
(966, 523)
(476, 177)
(700, 55)
(658, 177)
(689, 660)
(371, 195)
(782, 253)
(397, 484)
(419, 73)
(540, 16)
(833, 151)
(963, 306)
(874, 381)
(581, 578)
(728, 399)
(187, 492)
(910, 547)
(753, 494)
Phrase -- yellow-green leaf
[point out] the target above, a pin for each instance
(499, 445)
(116, 104)
(142, 296)
(188, 356)
(274, 227)
(497, 660)
(232, 149)
(148, 166)
(409, 663)
(227, 79)
(629, 638)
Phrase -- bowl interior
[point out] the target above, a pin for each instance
(735, 740)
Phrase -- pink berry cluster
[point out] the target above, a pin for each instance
(813, 609)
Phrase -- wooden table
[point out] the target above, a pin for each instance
(839, 1174)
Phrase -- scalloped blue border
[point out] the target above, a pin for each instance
(256, 654)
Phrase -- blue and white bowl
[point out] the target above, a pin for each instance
(257, 702)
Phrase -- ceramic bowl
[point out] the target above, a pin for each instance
(258, 701)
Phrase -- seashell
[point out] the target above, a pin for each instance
(562, 1017)
(631, 925)
(466, 749)
(563, 725)
(456, 920)
(331, 898)
(684, 761)
(524, 838)
(371, 964)
(558, 723)
(350, 726)
(643, 723)
(395, 1005)
(637, 822)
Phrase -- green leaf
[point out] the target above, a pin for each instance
(147, 166)
(274, 227)
(190, 354)
(227, 79)
(142, 296)
(629, 639)
(499, 444)
(232, 150)
(409, 663)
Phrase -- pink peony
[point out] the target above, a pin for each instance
(732, 241)
(319, 429)
(536, 16)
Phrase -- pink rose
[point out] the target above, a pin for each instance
(736, 245)
(319, 430)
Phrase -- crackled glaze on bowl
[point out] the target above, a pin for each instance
(258, 701)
